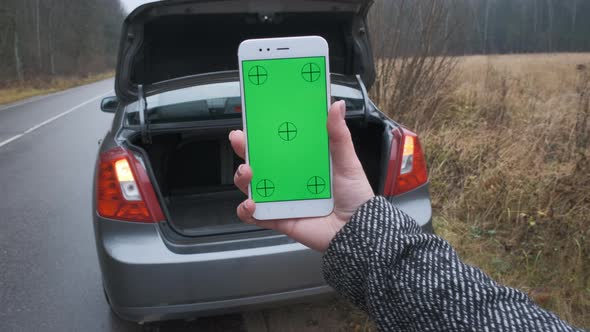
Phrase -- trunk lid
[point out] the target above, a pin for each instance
(162, 41)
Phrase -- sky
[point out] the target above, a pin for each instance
(129, 5)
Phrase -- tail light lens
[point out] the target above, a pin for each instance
(124, 191)
(407, 166)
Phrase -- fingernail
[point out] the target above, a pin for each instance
(240, 169)
(230, 134)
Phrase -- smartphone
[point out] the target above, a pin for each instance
(285, 86)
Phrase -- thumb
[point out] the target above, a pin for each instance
(343, 154)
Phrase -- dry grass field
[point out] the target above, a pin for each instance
(14, 91)
(509, 161)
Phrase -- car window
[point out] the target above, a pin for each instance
(352, 97)
(212, 102)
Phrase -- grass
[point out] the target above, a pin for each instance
(509, 163)
(510, 170)
(15, 91)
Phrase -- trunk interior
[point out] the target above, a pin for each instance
(194, 171)
(166, 54)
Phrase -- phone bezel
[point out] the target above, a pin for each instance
(284, 48)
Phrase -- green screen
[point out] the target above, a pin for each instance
(286, 114)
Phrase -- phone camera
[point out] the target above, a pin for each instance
(260, 50)
(268, 49)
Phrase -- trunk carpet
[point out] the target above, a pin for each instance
(207, 209)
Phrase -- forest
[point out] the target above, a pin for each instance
(522, 26)
(463, 27)
(44, 38)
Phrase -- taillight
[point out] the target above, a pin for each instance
(124, 191)
(407, 166)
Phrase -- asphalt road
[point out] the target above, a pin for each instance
(49, 274)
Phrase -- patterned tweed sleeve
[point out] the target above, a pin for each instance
(410, 281)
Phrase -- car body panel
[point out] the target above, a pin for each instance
(416, 204)
(145, 280)
(136, 260)
(193, 310)
(151, 272)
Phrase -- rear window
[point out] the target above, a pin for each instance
(213, 102)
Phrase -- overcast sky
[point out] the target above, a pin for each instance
(132, 4)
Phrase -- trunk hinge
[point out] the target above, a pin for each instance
(144, 121)
(367, 106)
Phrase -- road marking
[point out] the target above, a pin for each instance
(41, 97)
(33, 128)
(32, 99)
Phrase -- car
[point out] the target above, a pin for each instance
(169, 243)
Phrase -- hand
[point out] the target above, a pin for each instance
(351, 187)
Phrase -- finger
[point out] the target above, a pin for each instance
(238, 142)
(304, 231)
(341, 147)
(243, 177)
(246, 210)
(281, 226)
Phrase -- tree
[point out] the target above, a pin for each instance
(413, 60)
(43, 38)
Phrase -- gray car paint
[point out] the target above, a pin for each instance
(148, 276)
(151, 273)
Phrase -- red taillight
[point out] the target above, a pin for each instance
(124, 191)
(407, 166)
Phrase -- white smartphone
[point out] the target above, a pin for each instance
(285, 86)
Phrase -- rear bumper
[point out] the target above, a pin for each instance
(182, 311)
(146, 281)
(416, 204)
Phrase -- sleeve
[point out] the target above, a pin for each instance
(407, 280)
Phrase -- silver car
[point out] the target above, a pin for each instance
(168, 240)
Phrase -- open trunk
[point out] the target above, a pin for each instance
(194, 172)
(163, 41)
